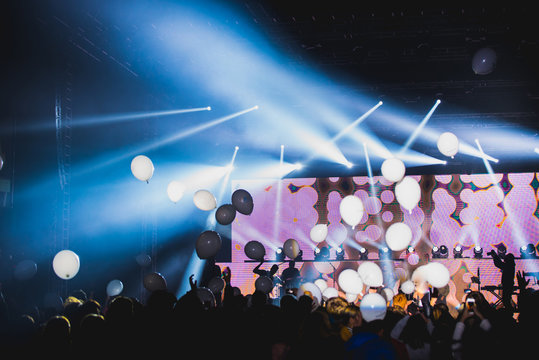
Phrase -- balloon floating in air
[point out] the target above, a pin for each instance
(225, 214)
(206, 297)
(408, 287)
(114, 288)
(25, 270)
(216, 285)
(393, 169)
(448, 144)
(398, 236)
(66, 264)
(373, 306)
(408, 193)
(291, 248)
(437, 274)
(154, 281)
(329, 293)
(242, 201)
(319, 232)
(351, 210)
(371, 274)
(309, 288)
(204, 200)
(143, 260)
(254, 250)
(484, 61)
(175, 190)
(264, 284)
(142, 167)
(208, 244)
(350, 282)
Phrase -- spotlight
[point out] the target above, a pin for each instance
(477, 252)
(340, 254)
(457, 252)
(384, 253)
(435, 252)
(410, 249)
(321, 254)
(298, 166)
(349, 165)
(363, 253)
(444, 252)
(279, 254)
(528, 252)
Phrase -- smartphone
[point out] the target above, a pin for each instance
(470, 303)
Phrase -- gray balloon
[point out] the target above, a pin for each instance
(154, 281)
(216, 285)
(208, 244)
(206, 297)
(484, 61)
(264, 284)
(254, 250)
(25, 270)
(225, 214)
(242, 201)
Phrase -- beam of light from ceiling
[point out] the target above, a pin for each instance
(112, 159)
(99, 120)
(510, 213)
(419, 128)
(196, 264)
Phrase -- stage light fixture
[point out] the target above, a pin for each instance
(340, 254)
(528, 251)
(444, 252)
(321, 254)
(279, 254)
(478, 252)
(435, 252)
(457, 252)
(363, 253)
(410, 250)
(384, 253)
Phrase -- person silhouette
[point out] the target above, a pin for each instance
(506, 264)
(291, 277)
(269, 273)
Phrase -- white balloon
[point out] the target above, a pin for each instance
(448, 144)
(388, 294)
(484, 61)
(350, 282)
(329, 293)
(351, 210)
(370, 273)
(437, 274)
(175, 190)
(142, 167)
(351, 297)
(311, 288)
(408, 287)
(419, 278)
(319, 232)
(393, 169)
(114, 287)
(322, 284)
(408, 193)
(373, 306)
(398, 236)
(66, 264)
(204, 200)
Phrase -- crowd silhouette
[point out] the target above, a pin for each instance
(253, 326)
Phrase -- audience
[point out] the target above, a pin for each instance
(256, 327)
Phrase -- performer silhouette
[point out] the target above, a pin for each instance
(506, 263)
(291, 277)
(269, 273)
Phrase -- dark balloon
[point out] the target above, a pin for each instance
(154, 281)
(225, 214)
(242, 201)
(264, 284)
(208, 244)
(484, 61)
(254, 250)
